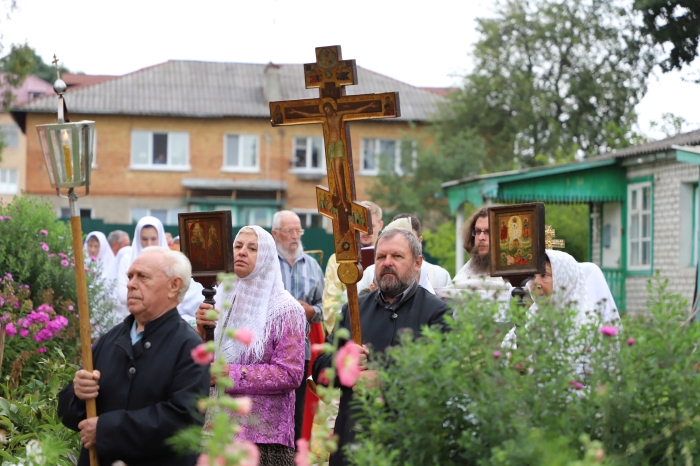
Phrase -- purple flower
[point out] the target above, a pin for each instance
(16, 305)
(43, 335)
(10, 330)
(577, 385)
(7, 217)
(64, 263)
(2, 218)
(23, 332)
(630, 341)
(44, 246)
(70, 308)
(23, 322)
(51, 255)
(44, 308)
(5, 317)
(62, 256)
(8, 275)
(496, 354)
(41, 350)
(44, 232)
(608, 330)
(2, 301)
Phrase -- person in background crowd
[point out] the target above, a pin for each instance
(303, 279)
(118, 239)
(333, 289)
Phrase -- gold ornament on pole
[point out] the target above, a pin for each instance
(68, 152)
(549, 241)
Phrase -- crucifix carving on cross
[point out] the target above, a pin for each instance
(333, 109)
(549, 241)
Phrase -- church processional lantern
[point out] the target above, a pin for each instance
(68, 152)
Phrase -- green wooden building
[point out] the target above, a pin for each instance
(643, 205)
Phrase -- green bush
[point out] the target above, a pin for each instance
(567, 394)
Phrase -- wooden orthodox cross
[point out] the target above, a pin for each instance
(333, 109)
(549, 241)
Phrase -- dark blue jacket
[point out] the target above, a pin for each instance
(148, 392)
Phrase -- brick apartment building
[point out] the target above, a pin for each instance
(196, 136)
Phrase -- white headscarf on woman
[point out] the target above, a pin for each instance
(258, 303)
(105, 257)
(568, 285)
(599, 292)
(120, 309)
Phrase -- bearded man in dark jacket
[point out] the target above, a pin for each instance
(397, 303)
(145, 381)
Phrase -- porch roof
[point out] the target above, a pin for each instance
(600, 180)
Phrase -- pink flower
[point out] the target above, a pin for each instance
(252, 454)
(23, 332)
(201, 356)
(323, 378)
(630, 341)
(44, 232)
(10, 330)
(41, 350)
(64, 263)
(51, 255)
(608, 331)
(317, 348)
(347, 360)
(244, 335)
(2, 218)
(496, 354)
(301, 458)
(70, 308)
(244, 405)
(577, 385)
(62, 256)
(44, 246)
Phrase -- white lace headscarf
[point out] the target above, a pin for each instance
(105, 257)
(568, 284)
(258, 303)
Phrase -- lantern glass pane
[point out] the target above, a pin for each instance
(47, 154)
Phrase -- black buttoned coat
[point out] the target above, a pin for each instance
(148, 392)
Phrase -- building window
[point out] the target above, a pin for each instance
(8, 181)
(639, 226)
(261, 216)
(311, 219)
(84, 213)
(308, 154)
(10, 135)
(386, 154)
(160, 151)
(166, 216)
(241, 153)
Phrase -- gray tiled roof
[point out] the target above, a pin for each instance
(690, 138)
(215, 90)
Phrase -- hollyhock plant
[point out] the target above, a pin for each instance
(348, 362)
(609, 331)
(244, 335)
(301, 458)
(201, 355)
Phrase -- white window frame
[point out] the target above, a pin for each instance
(376, 142)
(305, 216)
(14, 128)
(161, 167)
(94, 151)
(7, 187)
(170, 216)
(640, 212)
(321, 169)
(239, 168)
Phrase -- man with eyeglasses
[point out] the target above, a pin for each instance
(303, 279)
(476, 273)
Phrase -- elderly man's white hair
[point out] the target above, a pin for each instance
(277, 218)
(175, 264)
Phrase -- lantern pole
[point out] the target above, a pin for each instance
(63, 164)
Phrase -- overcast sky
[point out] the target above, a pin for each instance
(421, 43)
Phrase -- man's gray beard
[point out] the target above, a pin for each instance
(289, 255)
(394, 285)
(480, 264)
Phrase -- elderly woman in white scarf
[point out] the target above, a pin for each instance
(272, 366)
(149, 231)
(98, 250)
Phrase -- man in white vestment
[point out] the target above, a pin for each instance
(475, 276)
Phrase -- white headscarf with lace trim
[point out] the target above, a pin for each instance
(105, 257)
(568, 285)
(258, 303)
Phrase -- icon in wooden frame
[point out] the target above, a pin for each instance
(516, 235)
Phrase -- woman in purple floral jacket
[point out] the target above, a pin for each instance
(272, 366)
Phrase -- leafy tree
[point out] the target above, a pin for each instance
(552, 80)
(674, 21)
(670, 124)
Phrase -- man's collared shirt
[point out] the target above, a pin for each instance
(135, 337)
(403, 296)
